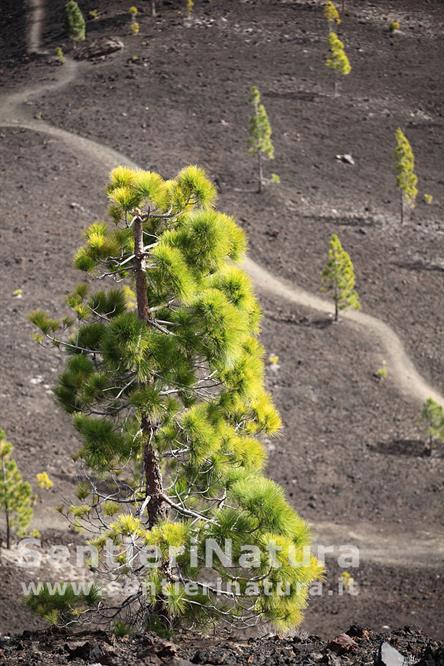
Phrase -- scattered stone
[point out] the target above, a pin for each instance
(347, 158)
(389, 656)
(103, 46)
(342, 644)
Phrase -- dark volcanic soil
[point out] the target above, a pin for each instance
(358, 646)
(351, 453)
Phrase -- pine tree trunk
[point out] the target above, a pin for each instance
(153, 7)
(336, 298)
(153, 476)
(336, 88)
(6, 507)
(260, 172)
(402, 207)
(151, 467)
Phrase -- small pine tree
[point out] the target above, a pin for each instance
(338, 277)
(63, 605)
(260, 143)
(331, 14)
(16, 497)
(337, 59)
(59, 55)
(165, 382)
(406, 178)
(75, 22)
(432, 416)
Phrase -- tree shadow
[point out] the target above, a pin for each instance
(420, 265)
(320, 322)
(346, 221)
(412, 448)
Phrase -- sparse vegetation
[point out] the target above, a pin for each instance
(432, 417)
(394, 26)
(43, 481)
(16, 498)
(331, 13)
(135, 27)
(406, 178)
(382, 372)
(428, 199)
(338, 278)
(75, 22)
(337, 59)
(260, 143)
(62, 604)
(60, 55)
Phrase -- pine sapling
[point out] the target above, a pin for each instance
(75, 22)
(260, 143)
(331, 13)
(338, 278)
(165, 381)
(406, 178)
(337, 59)
(16, 497)
(432, 417)
(64, 605)
(59, 55)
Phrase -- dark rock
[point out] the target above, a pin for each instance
(432, 657)
(100, 47)
(342, 644)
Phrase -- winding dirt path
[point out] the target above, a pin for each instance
(420, 549)
(13, 113)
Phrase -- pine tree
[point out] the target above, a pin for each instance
(64, 605)
(260, 143)
(337, 58)
(75, 22)
(406, 178)
(16, 497)
(165, 381)
(331, 14)
(338, 277)
(432, 416)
